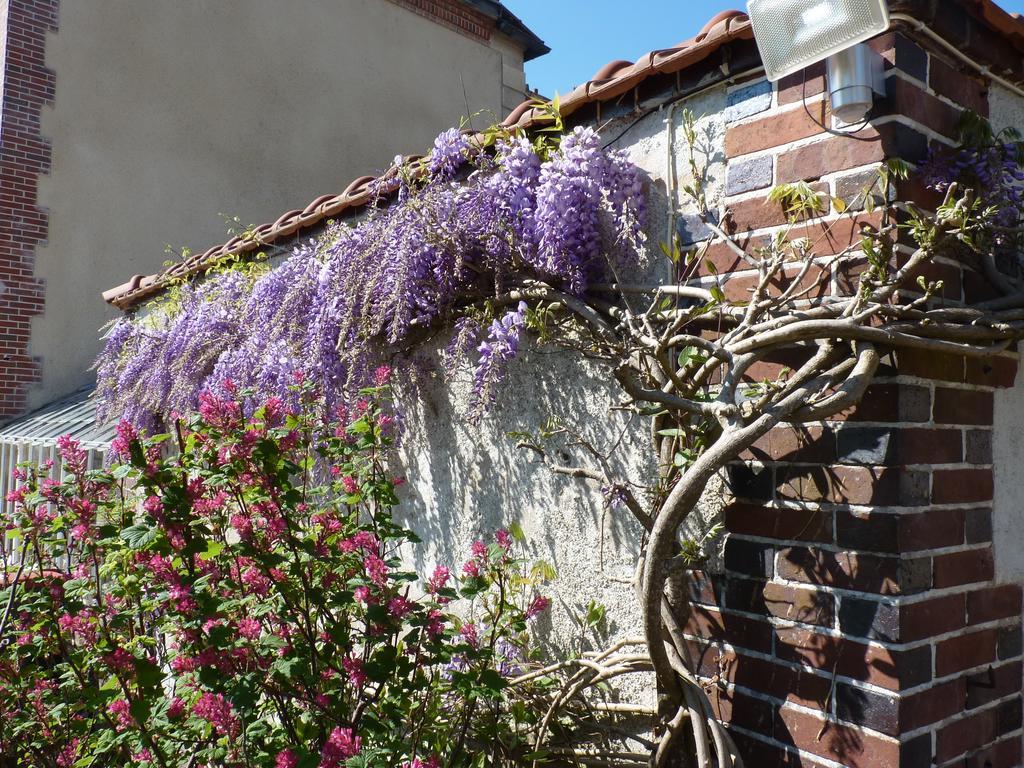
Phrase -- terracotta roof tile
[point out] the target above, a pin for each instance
(609, 82)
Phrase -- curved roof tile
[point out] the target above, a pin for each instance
(612, 80)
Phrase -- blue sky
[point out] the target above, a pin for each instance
(586, 34)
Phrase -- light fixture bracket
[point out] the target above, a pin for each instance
(855, 76)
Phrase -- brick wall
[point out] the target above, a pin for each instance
(857, 621)
(24, 154)
(454, 15)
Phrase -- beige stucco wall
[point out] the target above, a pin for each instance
(465, 481)
(1007, 111)
(170, 113)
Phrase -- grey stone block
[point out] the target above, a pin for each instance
(915, 404)
(748, 175)
(915, 575)
(878, 711)
(869, 618)
(750, 558)
(915, 487)
(748, 101)
(691, 229)
(855, 189)
(979, 446)
(1010, 643)
(978, 525)
(871, 446)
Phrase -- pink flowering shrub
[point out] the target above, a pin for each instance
(239, 601)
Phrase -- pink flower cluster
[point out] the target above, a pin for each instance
(249, 628)
(120, 711)
(341, 745)
(81, 626)
(438, 580)
(469, 634)
(221, 412)
(126, 434)
(217, 711)
(354, 667)
(538, 606)
(74, 458)
(376, 570)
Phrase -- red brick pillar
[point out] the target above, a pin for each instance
(24, 154)
(857, 622)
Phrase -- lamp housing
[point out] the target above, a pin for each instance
(855, 75)
(794, 34)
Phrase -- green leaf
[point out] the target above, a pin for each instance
(139, 535)
(148, 674)
(516, 530)
(543, 571)
(287, 667)
(111, 684)
(140, 709)
(122, 471)
(492, 682)
(690, 355)
(213, 548)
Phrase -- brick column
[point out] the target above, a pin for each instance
(857, 622)
(24, 154)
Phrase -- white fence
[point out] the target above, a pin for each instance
(33, 440)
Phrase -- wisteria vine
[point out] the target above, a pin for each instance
(987, 162)
(470, 224)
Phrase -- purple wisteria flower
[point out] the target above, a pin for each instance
(449, 154)
(568, 210)
(994, 173)
(341, 304)
(501, 346)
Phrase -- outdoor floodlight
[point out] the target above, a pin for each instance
(794, 34)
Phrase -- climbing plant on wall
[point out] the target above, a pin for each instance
(466, 226)
(493, 237)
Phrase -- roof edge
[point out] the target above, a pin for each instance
(512, 26)
(610, 82)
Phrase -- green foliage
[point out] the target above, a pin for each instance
(799, 200)
(241, 601)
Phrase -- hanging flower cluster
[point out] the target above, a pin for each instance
(472, 225)
(502, 345)
(242, 603)
(990, 164)
(993, 171)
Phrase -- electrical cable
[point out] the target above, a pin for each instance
(828, 129)
(688, 95)
(982, 69)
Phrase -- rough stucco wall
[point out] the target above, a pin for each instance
(1008, 458)
(169, 113)
(465, 481)
(1007, 111)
